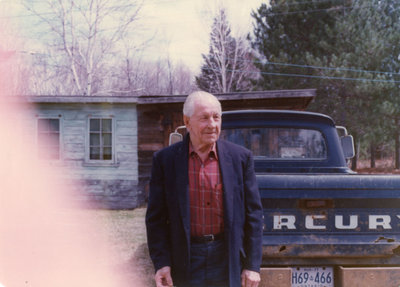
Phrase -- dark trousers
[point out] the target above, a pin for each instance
(209, 265)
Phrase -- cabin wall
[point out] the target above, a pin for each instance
(104, 184)
(155, 123)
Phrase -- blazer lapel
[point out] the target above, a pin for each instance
(228, 175)
(182, 184)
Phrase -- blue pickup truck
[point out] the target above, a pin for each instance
(324, 225)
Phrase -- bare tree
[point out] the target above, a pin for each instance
(11, 56)
(160, 76)
(86, 34)
(180, 78)
(183, 79)
(229, 65)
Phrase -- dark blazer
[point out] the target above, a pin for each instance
(168, 212)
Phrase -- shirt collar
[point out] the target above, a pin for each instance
(213, 152)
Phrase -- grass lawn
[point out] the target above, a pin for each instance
(125, 230)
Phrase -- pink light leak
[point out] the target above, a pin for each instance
(44, 240)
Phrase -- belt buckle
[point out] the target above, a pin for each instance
(209, 237)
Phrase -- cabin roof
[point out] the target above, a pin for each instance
(82, 99)
(235, 96)
(304, 97)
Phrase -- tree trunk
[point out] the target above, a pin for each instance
(355, 158)
(397, 151)
(372, 151)
(354, 163)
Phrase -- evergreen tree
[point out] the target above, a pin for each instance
(338, 47)
(366, 47)
(285, 33)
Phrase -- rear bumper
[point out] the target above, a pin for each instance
(355, 250)
(273, 277)
(344, 277)
(372, 277)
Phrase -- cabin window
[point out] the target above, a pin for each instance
(48, 135)
(100, 139)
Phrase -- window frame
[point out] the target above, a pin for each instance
(100, 162)
(60, 137)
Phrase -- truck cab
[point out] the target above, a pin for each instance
(290, 141)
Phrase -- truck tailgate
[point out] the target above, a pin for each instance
(330, 219)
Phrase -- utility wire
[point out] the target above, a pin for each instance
(317, 67)
(269, 14)
(330, 68)
(331, 77)
(310, 11)
(310, 2)
(304, 66)
(310, 76)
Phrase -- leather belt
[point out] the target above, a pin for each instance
(206, 238)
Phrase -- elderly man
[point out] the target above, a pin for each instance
(204, 216)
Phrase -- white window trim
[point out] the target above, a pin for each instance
(100, 162)
(61, 139)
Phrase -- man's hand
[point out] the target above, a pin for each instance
(250, 278)
(163, 277)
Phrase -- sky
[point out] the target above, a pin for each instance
(179, 29)
(182, 27)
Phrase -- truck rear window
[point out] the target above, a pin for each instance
(279, 143)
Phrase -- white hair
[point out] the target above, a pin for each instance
(191, 99)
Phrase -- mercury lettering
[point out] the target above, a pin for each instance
(342, 222)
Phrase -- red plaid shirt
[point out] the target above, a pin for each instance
(205, 191)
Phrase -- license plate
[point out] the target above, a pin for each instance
(312, 277)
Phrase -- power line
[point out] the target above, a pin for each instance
(312, 76)
(169, 1)
(309, 11)
(309, 2)
(337, 69)
(331, 77)
(330, 68)
(333, 8)
(357, 70)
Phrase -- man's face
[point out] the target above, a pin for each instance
(204, 125)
